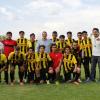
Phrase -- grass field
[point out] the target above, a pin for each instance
(85, 91)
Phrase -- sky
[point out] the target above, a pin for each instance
(36, 16)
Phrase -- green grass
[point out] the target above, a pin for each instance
(89, 91)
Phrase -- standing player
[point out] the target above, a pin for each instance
(87, 50)
(70, 65)
(32, 42)
(56, 65)
(54, 37)
(61, 44)
(23, 44)
(16, 58)
(9, 46)
(69, 39)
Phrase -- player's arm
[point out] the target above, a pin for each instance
(74, 61)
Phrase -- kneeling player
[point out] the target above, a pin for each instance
(16, 58)
(54, 70)
(31, 60)
(3, 62)
(70, 65)
(44, 63)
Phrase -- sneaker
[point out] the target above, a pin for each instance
(21, 83)
(57, 83)
(79, 80)
(76, 83)
(48, 82)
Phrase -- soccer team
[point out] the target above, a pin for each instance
(47, 60)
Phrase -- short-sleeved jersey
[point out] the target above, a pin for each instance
(32, 44)
(9, 46)
(13, 58)
(31, 60)
(61, 45)
(87, 47)
(56, 58)
(69, 61)
(54, 40)
(69, 42)
(43, 60)
(23, 44)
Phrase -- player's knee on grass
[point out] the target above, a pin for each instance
(78, 70)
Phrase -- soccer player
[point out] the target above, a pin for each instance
(22, 42)
(54, 37)
(9, 46)
(61, 44)
(32, 42)
(70, 65)
(16, 58)
(69, 39)
(87, 51)
(54, 70)
(77, 53)
(31, 60)
(44, 63)
(3, 62)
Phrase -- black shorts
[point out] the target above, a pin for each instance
(2, 65)
(17, 63)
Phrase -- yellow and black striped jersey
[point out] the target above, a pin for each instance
(61, 45)
(69, 61)
(20, 57)
(23, 44)
(31, 60)
(3, 59)
(87, 47)
(69, 42)
(43, 60)
(32, 44)
(80, 43)
(54, 40)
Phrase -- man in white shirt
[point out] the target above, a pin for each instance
(95, 37)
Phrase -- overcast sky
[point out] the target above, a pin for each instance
(48, 15)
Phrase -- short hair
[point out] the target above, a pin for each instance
(96, 29)
(62, 36)
(67, 47)
(69, 32)
(79, 33)
(32, 34)
(42, 46)
(21, 32)
(54, 32)
(17, 48)
(9, 33)
(30, 48)
(84, 32)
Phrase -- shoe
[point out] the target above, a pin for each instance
(79, 80)
(57, 83)
(12, 84)
(48, 82)
(21, 83)
(76, 83)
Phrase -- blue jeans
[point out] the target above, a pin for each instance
(95, 60)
